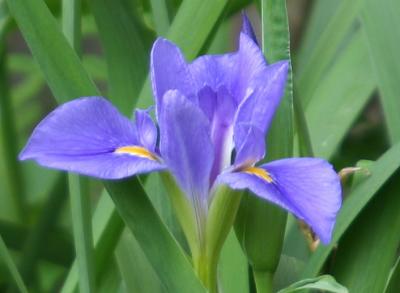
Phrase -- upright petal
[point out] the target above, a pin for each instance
(169, 71)
(307, 187)
(147, 131)
(185, 144)
(250, 65)
(258, 110)
(89, 136)
(247, 28)
(220, 108)
(214, 71)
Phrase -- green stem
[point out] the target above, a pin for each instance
(263, 281)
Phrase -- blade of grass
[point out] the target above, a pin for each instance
(379, 18)
(393, 284)
(369, 247)
(380, 173)
(43, 228)
(65, 76)
(333, 109)
(10, 143)
(160, 16)
(324, 50)
(126, 41)
(136, 271)
(107, 228)
(12, 269)
(79, 186)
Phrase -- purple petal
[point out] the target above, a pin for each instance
(147, 131)
(185, 144)
(307, 187)
(214, 71)
(220, 108)
(250, 65)
(83, 136)
(256, 112)
(251, 146)
(169, 71)
(247, 28)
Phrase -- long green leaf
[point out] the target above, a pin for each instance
(136, 271)
(379, 18)
(126, 43)
(78, 186)
(65, 76)
(12, 269)
(369, 247)
(168, 261)
(324, 50)
(393, 284)
(333, 109)
(380, 173)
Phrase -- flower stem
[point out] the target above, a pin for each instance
(206, 270)
(263, 280)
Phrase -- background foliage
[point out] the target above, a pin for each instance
(64, 233)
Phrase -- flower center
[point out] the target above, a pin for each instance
(136, 151)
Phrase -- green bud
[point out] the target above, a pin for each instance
(260, 228)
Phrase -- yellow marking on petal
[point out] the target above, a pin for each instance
(259, 172)
(136, 151)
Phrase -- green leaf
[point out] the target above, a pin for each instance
(333, 109)
(168, 260)
(324, 50)
(136, 271)
(233, 268)
(65, 76)
(160, 16)
(12, 269)
(126, 42)
(393, 284)
(369, 247)
(325, 283)
(107, 228)
(383, 168)
(379, 18)
(82, 229)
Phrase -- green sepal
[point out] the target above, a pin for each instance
(184, 212)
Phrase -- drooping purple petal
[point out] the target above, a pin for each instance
(185, 144)
(147, 131)
(307, 187)
(169, 71)
(83, 136)
(255, 113)
(247, 28)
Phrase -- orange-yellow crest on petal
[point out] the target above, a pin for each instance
(136, 151)
(259, 172)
